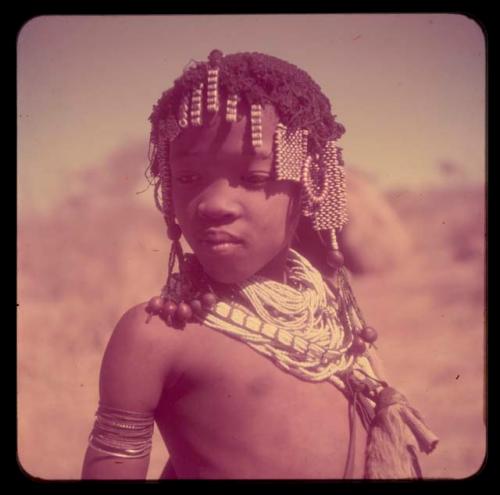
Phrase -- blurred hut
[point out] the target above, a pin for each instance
(374, 239)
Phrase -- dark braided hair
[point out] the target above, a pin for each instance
(258, 79)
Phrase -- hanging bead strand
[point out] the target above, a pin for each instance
(184, 112)
(256, 125)
(307, 181)
(232, 108)
(196, 106)
(213, 90)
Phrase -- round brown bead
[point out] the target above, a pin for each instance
(357, 331)
(334, 258)
(169, 308)
(155, 305)
(196, 306)
(369, 334)
(184, 312)
(208, 300)
(358, 345)
(174, 232)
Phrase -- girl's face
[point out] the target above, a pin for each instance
(235, 216)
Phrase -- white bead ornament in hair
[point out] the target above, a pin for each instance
(165, 204)
(340, 194)
(333, 240)
(183, 112)
(290, 151)
(339, 183)
(196, 106)
(256, 125)
(331, 212)
(307, 181)
(213, 90)
(232, 108)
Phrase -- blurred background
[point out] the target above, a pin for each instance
(410, 90)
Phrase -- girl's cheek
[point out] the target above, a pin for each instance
(182, 204)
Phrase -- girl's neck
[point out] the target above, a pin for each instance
(275, 270)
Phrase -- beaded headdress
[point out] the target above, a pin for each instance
(299, 156)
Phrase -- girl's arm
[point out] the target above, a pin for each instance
(136, 368)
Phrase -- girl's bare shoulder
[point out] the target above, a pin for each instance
(135, 323)
(141, 359)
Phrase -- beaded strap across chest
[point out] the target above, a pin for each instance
(297, 325)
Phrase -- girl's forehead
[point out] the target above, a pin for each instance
(217, 136)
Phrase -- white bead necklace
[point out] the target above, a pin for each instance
(297, 327)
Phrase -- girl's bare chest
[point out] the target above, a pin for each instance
(233, 399)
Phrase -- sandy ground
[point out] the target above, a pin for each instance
(81, 268)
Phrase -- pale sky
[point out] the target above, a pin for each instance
(409, 88)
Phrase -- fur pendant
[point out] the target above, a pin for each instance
(396, 433)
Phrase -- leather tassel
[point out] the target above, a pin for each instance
(395, 432)
(426, 438)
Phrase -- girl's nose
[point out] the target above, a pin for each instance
(219, 202)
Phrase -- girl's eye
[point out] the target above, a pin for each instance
(187, 178)
(256, 180)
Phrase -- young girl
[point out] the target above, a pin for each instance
(255, 360)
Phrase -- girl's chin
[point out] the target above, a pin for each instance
(224, 274)
(224, 278)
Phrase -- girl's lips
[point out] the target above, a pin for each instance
(220, 247)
